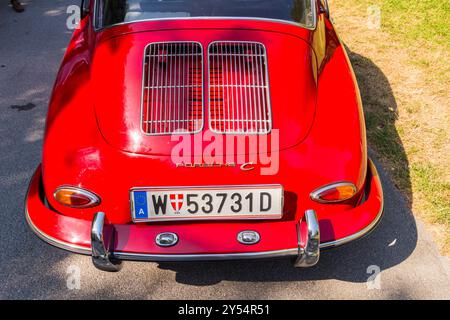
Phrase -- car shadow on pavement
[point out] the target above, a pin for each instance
(392, 242)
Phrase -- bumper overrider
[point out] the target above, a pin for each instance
(109, 244)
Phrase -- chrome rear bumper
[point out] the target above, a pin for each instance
(307, 254)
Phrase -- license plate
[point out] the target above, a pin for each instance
(192, 203)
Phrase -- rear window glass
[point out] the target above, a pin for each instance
(111, 12)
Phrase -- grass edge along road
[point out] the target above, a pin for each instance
(403, 73)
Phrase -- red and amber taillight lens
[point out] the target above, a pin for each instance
(334, 193)
(76, 197)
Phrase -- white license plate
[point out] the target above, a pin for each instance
(190, 203)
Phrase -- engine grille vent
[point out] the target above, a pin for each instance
(239, 100)
(172, 97)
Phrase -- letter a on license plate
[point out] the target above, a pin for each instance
(140, 204)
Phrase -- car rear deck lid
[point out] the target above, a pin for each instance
(273, 72)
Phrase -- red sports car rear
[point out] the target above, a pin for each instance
(198, 130)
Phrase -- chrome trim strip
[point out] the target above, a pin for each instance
(55, 242)
(205, 257)
(292, 23)
(45, 237)
(355, 236)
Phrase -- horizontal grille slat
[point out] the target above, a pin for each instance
(239, 100)
(172, 97)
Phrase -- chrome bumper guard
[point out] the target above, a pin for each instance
(308, 241)
(101, 256)
(102, 238)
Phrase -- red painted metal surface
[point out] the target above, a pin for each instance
(94, 140)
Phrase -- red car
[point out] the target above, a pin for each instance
(204, 130)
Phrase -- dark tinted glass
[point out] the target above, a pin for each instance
(110, 12)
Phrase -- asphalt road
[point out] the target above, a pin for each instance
(31, 47)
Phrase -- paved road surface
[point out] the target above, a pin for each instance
(32, 45)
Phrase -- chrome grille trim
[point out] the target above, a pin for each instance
(239, 94)
(172, 88)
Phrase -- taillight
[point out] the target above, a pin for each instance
(334, 193)
(76, 197)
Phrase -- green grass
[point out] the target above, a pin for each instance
(383, 136)
(426, 20)
(428, 180)
(413, 20)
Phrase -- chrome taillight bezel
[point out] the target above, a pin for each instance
(315, 195)
(94, 199)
